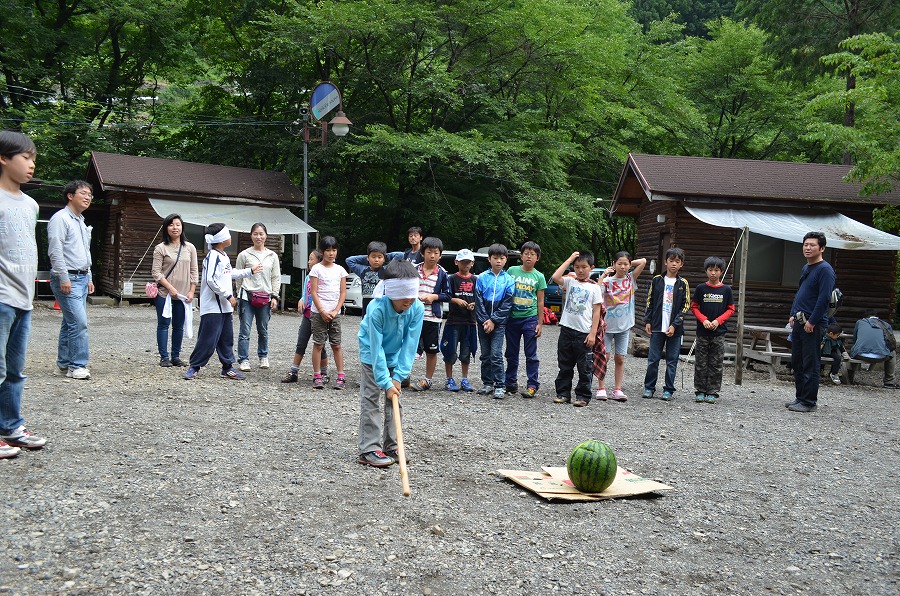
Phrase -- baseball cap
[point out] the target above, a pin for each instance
(465, 255)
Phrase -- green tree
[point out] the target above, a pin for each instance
(874, 142)
(746, 107)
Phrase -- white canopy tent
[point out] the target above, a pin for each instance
(238, 218)
(840, 231)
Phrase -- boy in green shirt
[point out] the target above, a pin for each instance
(525, 320)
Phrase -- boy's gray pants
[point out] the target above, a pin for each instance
(709, 364)
(376, 429)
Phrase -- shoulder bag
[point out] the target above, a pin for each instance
(152, 289)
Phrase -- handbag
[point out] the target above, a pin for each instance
(152, 288)
(259, 299)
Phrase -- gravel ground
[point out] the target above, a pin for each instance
(152, 484)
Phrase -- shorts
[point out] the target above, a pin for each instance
(304, 334)
(617, 343)
(323, 332)
(430, 337)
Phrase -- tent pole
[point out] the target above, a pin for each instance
(742, 295)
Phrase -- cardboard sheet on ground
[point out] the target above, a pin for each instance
(554, 484)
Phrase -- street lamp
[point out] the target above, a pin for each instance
(325, 97)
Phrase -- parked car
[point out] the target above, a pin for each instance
(554, 296)
(354, 300)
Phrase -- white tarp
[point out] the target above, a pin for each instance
(840, 231)
(238, 218)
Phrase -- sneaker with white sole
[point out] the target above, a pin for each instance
(22, 438)
(82, 374)
(264, 362)
(244, 365)
(618, 395)
(233, 375)
(8, 450)
(601, 395)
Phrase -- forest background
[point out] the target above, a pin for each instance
(479, 121)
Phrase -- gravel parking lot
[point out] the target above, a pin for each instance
(154, 485)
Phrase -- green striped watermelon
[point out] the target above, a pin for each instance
(592, 466)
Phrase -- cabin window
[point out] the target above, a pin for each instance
(774, 261)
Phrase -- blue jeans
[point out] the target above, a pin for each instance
(524, 328)
(15, 327)
(659, 341)
(162, 327)
(73, 333)
(492, 356)
(246, 312)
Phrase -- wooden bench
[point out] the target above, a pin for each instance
(773, 359)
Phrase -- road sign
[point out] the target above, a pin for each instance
(325, 97)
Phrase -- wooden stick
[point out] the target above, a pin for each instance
(401, 450)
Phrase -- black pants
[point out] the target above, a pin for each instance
(573, 353)
(709, 359)
(805, 362)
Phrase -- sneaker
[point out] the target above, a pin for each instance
(176, 361)
(264, 362)
(486, 390)
(290, 377)
(512, 389)
(788, 404)
(451, 385)
(22, 438)
(396, 456)
(711, 399)
(700, 398)
(667, 395)
(244, 365)
(601, 395)
(423, 385)
(648, 394)
(376, 459)
(835, 379)
(530, 393)
(339, 383)
(499, 393)
(619, 395)
(801, 407)
(8, 450)
(580, 403)
(82, 374)
(233, 375)
(325, 378)
(465, 385)
(165, 363)
(318, 382)
(191, 374)
(562, 399)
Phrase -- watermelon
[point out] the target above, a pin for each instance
(592, 466)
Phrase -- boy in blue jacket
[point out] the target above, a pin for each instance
(494, 291)
(388, 337)
(668, 299)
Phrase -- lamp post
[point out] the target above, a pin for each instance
(325, 97)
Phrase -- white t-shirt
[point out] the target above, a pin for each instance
(668, 296)
(578, 313)
(18, 249)
(618, 296)
(330, 280)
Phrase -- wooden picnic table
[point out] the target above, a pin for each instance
(770, 346)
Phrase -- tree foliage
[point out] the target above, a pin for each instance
(874, 141)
